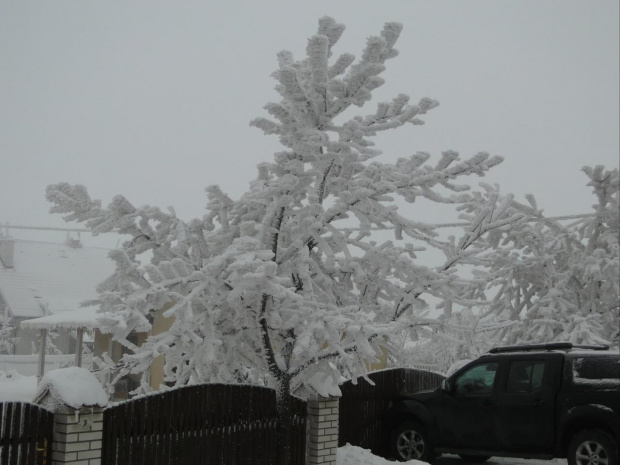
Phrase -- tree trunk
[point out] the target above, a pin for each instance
(285, 420)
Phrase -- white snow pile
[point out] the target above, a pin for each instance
(352, 455)
(15, 387)
(73, 387)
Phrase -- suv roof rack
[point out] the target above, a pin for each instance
(547, 346)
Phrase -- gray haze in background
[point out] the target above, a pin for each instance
(153, 101)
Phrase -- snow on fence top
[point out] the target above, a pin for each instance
(72, 387)
(85, 318)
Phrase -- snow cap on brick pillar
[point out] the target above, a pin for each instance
(68, 389)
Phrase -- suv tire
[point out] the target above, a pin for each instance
(409, 441)
(592, 446)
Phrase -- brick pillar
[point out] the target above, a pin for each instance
(77, 436)
(322, 442)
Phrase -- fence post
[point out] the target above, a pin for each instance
(322, 443)
(77, 400)
(78, 436)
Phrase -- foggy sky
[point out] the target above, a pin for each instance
(153, 100)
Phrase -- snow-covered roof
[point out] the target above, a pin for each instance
(84, 318)
(53, 276)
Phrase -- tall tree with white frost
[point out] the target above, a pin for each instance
(559, 281)
(286, 284)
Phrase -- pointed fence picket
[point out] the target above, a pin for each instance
(210, 424)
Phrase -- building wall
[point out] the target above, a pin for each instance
(160, 325)
(104, 343)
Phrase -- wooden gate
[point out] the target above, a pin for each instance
(210, 424)
(25, 434)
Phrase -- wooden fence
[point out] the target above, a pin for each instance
(209, 424)
(362, 405)
(25, 434)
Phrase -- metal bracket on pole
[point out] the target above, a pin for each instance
(78, 348)
(42, 355)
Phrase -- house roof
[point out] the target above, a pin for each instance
(52, 277)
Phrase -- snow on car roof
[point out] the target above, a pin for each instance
(50, 276)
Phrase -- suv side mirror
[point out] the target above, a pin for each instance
(446, 385)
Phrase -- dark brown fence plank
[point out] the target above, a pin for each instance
(6, 432)
(4, 450)
(194, 426)
(166, 432)
(15, 432)
(108, 436)
(159, 428)
(29, 448)
(149, 416)
(48, 429)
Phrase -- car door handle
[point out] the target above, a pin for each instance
(538, 402)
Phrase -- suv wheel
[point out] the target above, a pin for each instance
(409, 441)
(592, 447)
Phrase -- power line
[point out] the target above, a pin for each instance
(8, 226)
(456, 225)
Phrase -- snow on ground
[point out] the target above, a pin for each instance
(16, 387)
(454, 460)
(351, 455)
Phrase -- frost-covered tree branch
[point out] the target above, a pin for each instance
(558, 281)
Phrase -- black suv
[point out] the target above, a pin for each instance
(530, 401)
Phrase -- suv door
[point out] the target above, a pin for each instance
(526, 405)
(476, 405)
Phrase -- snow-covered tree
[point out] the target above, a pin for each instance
(459, 335)
(289, 284)
(7, 337)
(558, 280)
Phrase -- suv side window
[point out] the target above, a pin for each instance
(478, 380)
(596, 368)
(525, 376)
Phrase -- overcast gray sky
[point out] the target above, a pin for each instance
(153, 99)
